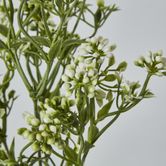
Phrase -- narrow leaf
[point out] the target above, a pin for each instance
(104, 110)
(92, 132)
(12, 150)
(70, 153)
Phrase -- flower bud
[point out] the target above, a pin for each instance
(42, 127)
(91, 88)
(26, 133)
(59, 145)
(56, 121)
(35, 146)
(39, 137)
(68, 93)
(31, 137)
(45, 134)
(91, 95)
(50, 141)
(94, 81)
(67, 86)
(70, 73)
(21, 131)
(65, 78)
(35, 122)
(53, 128)
(46, 148)
(91, 73)
(46, 119)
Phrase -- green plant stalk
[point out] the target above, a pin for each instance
(79, 16)
(117, 114)
(9, 19)
(27, 35)
(45, 23)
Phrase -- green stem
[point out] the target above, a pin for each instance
(27, 20)
(81, 150)
(9, 19)
(79, 16)
(30, 72)
(63, 158)
(23, 150)
(27, 35)
(45, 23)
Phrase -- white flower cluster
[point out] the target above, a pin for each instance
(47, 131)
(84, 69)
(96, 47)
(155, 63)
(129, 90)
(82, 73)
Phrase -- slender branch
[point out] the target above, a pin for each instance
(27, 35)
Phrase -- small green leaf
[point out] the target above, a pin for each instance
(109, 96)
(122, 66)
(97, 17)
(55, 49)
(11, 94)
(111, 61)
(92, 132)
(104, 110)
(83, 116)
(3, 30)
(12, 150)
(70, 153)
(99, 101)
(100, 93)
(110, 78)
(148, 94)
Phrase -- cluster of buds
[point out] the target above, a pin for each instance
(47, 132)
(83, 71)
(128, 90)
(155, 63)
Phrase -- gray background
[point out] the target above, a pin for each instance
(138, 138)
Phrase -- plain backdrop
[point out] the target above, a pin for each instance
(138, 138)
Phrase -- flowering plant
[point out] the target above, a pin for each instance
(81, 84)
